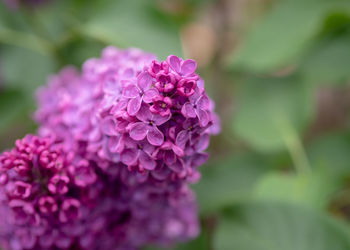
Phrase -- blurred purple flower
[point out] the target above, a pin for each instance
(110, 210)
(136, 131)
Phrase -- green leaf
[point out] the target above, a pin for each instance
(277, 226)
(25, 69)
(228, 181)
(329, 62)
(269, 108)
(287, 31)
(312, 190)
(12, 103)
(130, 24)
(331, 153)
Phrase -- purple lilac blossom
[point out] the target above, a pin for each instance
(144, 125)
(167, 114)
(88, 208)
(127, 94)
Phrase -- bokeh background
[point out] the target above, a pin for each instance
(279, 70)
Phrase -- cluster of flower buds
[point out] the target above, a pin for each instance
(53, 199)
(118, 145)
(42, 185)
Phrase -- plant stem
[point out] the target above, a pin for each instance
(294, 146)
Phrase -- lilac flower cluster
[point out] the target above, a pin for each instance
(118, 145)
(57, 200)
(159, 121)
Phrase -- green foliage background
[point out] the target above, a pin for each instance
(279, 173)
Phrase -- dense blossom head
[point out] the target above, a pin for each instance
(144, 126)
(39, 190)
(51, 199)
(128, 108)
(160, 123)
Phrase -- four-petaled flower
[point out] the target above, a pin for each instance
(186, 87)
(142, 91)
(165, 82)
(138, 154)
(70, 210)
(171, 154)
(197, 106)
(47, 204)
(190, 133)
(58, 184)
(148, 126)
(21, 190)
(183, 67)
(161, 105)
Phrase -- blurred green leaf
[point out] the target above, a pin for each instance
(329, 62)
(312, 190)
(331, 153)
(228, 181)
(277, 226)
(25, 69)
(78, 50)
(129, 24)
(269, 107)
(12, 103)
(285, 33)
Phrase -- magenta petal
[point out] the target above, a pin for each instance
(120, 105)
(199, 159)
(121, 125)
(159, 120)
(108, 126)
(134, 105)
(131, 91)
(138, 131)
(148, 148)
(144, 113)
(95, 135)
(174, 63)
(203, 143)
(177, 166)
(203, 117)
(188, 110)
(142, 177)
(116, 144)
(161, 173)
(169, 157)
(150, 94)
(155, 137)
(129, 156)
(144, 80)
(182, 138)
(188, 67)
(146, 161)
(178, 151)
(203, 102)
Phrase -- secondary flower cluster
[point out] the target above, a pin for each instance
(118, 145)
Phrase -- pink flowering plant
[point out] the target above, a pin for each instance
(117, 147)
(124, 150)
